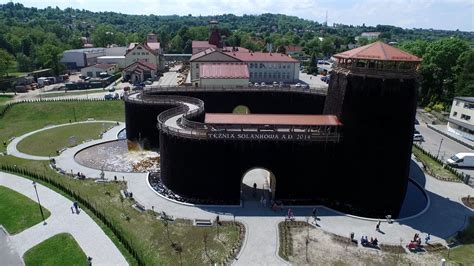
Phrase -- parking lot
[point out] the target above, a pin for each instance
(432, 143)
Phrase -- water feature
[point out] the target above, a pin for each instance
(116, 156)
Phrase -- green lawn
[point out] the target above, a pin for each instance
(58, 250)
(18, 212)
(5, 98)
(463, 254)
(23, 118)
(433, 167)
(47, 142)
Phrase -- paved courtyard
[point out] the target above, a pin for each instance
(443, 218)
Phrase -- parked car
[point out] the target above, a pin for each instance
(112, 89)
(275, 84)
(263, 84)
(463, 159)
(417, 136)
(298, 85)
(256, 84)
(148, 82)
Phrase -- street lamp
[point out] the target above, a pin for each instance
(39, 203)
(439, 148)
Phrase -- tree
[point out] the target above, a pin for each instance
(362, 41)
(6, 60)
(417, 47)
(103, 35)
(24, 63)
(48, 56)
(438, 69)
(313, 64)
(465, 75)
(176, 44)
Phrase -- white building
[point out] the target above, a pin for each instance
(461, 118)
(262, 67)
(370, 35)
(96, 70)
(146, 57)
(222, 74)
(118, 60)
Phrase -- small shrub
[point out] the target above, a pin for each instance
(428, 109)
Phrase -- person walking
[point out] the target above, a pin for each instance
(314, 212)
(377, 227)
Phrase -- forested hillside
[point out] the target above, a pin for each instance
(32, 38)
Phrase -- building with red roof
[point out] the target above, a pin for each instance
(142, 61)
(222, 74)
(262, 67)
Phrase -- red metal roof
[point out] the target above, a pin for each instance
(225, 71)
(133, 45)
(378, 51)
(153, 45)
(262, 57)
(202, 44)
(272, 119)
(141, 64)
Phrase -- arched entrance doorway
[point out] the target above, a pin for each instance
(258, 184)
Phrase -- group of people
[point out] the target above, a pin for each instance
(415, 244)
(364, 241)
(80, 175)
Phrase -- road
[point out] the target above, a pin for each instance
(448, 147)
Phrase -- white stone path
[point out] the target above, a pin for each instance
(90, 237)
(445, 216)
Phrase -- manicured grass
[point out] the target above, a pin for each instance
(146, 233)
(58, 250)
(47, 142)
(5, 98)
(463, 254)
(26, 117)
(433, 167)
(18, 212)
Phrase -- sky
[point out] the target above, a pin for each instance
(436, 14)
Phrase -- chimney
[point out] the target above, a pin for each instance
(151, 38)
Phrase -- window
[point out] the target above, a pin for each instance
(465, 117)
(250, 75)
(455, 113)
(197, 66)
(251, 65)
(262, 65)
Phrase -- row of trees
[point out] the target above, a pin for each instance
(447, 69)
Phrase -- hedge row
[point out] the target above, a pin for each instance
(83, 201)
(464, 178)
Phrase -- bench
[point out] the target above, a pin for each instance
(139, 207)
(202, 222)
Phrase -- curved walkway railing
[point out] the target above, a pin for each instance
(310, 90)
(178, 121)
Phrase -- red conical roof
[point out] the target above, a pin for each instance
(378, 51)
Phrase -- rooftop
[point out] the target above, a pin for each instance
(225, 71)
(262, 57)
(272, 119)
(378, 51)
(102, 66)
(465, 99)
